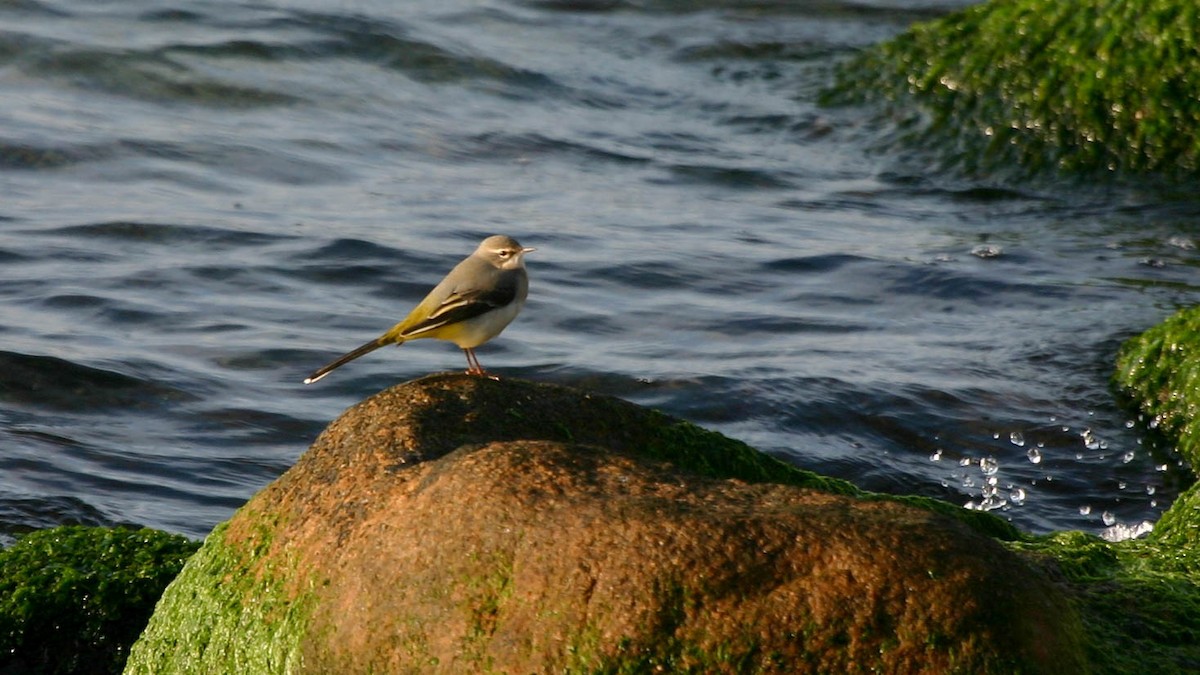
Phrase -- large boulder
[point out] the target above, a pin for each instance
(73, 599)
(1028, 86)
(460, 524)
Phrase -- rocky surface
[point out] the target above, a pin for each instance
(1019, 87)
(73, 599)
(459, 524)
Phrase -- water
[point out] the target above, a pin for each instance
(201, 202)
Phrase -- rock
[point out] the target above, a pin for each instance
(1159, 373)
(73, 599)
(457, 524)
(1141, 598)
(1027, 86)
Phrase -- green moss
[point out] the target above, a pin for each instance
(652, 434)
(711, 454)
(1141, 612)
(1080, 557)
(72, 599)
(1078, 85)
(1140, 599)
(226, 612)
(487, 595)
(663, 649)
(1178, 531)
(1159, 373)
(708, 453)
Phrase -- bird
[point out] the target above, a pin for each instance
(473, 304)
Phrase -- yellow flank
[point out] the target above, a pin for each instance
(418, 313)
(450, 332)
(461, 308)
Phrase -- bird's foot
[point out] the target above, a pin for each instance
(480, 372)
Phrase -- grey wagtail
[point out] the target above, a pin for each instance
(476, 300)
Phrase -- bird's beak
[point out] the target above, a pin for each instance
(528, 249)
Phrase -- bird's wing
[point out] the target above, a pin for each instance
(461, 305)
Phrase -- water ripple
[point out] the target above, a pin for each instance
(204, 202)
(51, 382)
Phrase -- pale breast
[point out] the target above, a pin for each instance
(478, 330)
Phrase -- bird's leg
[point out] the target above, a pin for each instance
(475, 367)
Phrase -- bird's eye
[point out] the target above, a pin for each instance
(504, 253)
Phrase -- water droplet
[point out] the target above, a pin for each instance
(965, 461)
(1017, 496)
(989, 466)
(1017, 439)
(1121, 485)
(1127, 457)
(995, 435)
(1150, 489)
(1034, 455)
(1084, 510)
(1119, 532)
(1161, 467)
(936, 456)
(1089, 440)
(1108, 518)
(1129, 424)
(988, 503)
(993, 503)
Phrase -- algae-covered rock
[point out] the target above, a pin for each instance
(1077, 85)
(1140, 599)
(73, 599)
(459, 524)
(1159, 371)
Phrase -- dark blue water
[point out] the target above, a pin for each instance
(201, 202)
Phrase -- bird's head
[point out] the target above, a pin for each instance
(503, 252)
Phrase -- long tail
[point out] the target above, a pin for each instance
(348, 357)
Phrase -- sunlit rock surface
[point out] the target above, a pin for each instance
(458, 524)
